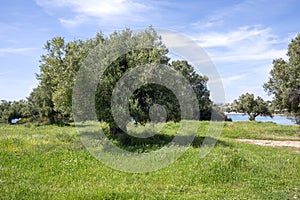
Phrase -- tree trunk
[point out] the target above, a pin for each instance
(114, 129)
(297, 119)
(252, 117)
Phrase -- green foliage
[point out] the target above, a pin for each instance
(14, 110)
(199, 85)
(284, 81)
(5, 112)
(58, 68)
(126, 41)
(253, 107)
(62, 60)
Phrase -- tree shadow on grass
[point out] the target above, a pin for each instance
(134, 144)
(209, 141)
(153, 142)
(160, 140)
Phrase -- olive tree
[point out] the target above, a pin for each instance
(247, 104)
(284, 81)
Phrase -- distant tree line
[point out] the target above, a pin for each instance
(10, 110)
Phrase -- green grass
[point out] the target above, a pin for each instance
(50, 162)
(260, 130)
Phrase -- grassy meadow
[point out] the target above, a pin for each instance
(50, 162)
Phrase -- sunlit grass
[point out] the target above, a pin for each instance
(50, 162)
(261, 130)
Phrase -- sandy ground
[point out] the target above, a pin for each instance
(272, 143)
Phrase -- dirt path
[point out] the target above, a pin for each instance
(272, 143)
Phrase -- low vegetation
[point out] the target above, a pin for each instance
(50, 162)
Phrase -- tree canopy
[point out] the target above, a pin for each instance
(14, 110)
(52, 98)
(284, 81)
(253, 107)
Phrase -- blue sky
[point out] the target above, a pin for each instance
(241, 37)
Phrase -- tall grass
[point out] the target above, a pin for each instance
(261, 130)
(50, 162)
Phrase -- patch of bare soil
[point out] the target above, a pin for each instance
(272, 143)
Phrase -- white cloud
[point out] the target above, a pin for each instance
(71, 23)
(244, 43)
(5, 27)
(4, 73)
(219, 16)
(104, 8)
(107, 11)
(247, 56)
(11, 50)
(233, 78)
(244, 56)
(246, 33)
